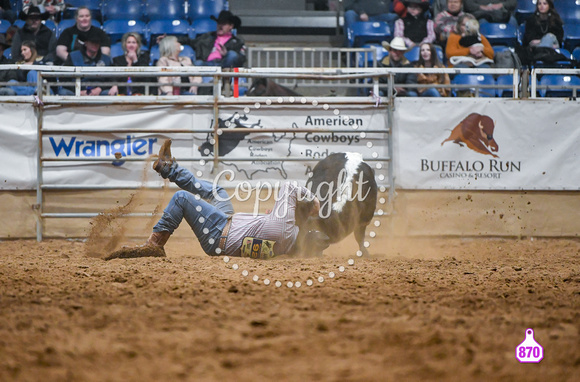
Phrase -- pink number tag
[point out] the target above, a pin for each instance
(529, 351)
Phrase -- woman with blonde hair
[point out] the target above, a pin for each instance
(169, 49)
(132, 56)
(428, 59)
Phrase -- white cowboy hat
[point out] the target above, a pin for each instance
(397, 43)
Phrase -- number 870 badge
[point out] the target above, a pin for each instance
(529, 351)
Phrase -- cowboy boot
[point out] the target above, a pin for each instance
(152, 248)
(164, 159)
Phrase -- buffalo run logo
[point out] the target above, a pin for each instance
(475, 131)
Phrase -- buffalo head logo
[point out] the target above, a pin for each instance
(228, 141)
(476, 131)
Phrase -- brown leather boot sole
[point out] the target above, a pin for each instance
(135, 252)
(163, 156)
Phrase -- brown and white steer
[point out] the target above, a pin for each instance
(347, 190)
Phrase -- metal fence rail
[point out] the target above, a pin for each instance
(212, 103)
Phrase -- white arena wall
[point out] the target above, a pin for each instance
(529, 187)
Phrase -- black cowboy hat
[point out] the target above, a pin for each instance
(422, 3)
(34, 11)
(227, 17)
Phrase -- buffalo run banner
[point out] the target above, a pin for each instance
(487, 144)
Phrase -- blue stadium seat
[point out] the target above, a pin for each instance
(4, 25)
(576, 54)
(571, 36)
(50, 24)
(157, 28)
(165, 10)
(73, 5)
(7, 53)
(117, 28)
(499, 33)
(558, 80)
(524, 10)
(366, 61)
(199, 9)
(67, 23)
(475, 80)
(368, 32)
(506, 79)
(123, 10)
(201, 26)
(116, 49)
(521, 33)
(569, 10)
(186, 50)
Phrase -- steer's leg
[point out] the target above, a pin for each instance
(359, 235)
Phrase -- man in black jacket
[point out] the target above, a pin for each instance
(220, 48)
(6, 75)
(34, 30)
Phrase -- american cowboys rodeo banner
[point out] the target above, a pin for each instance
(479, 144)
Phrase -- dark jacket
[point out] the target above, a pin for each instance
(142, 60)
(400, 78)
(80, 58)
(536, 29)
(501, 15)
(203, 45)
(44, 39)
(7, 75)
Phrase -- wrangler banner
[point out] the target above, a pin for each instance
(487, 144)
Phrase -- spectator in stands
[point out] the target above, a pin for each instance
(169, 49)
(90, 54)
(397, 59)
(221, 47)
(132, 56)
(544, 21)
(416, 27)
(73, 38)
(6, 11)
(446, 20)
(49, 8)
(492, 11)
(34, 30)
(6, 75)
(468, 48)
(428, 59)
(28, 56)
(368, 10)
(438, 6)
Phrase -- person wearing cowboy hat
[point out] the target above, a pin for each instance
(35, 30)
(50, 8)
(220, 47)
(6, 75)
(415, 28)
(397, 59)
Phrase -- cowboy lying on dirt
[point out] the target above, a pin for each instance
(210, 214)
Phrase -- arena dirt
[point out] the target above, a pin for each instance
(416, 309)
